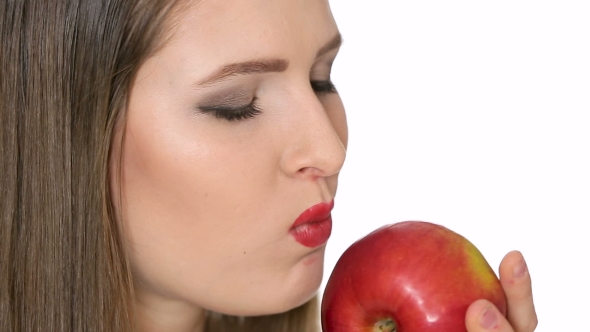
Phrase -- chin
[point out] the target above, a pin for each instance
(289, 292)
(277, 305)
(305, 280)
(276, 290)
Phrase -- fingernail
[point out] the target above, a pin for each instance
(488, 319)
(520, 269)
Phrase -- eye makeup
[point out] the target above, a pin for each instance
(231, 105)
(239, 105)
(323, 86)
(231, 113)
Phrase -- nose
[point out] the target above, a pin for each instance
(317, 137)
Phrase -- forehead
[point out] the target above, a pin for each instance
(237, 29)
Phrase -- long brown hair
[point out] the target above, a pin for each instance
(66, 69)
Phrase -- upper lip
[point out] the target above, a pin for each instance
(316, 213)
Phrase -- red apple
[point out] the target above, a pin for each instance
(411, 276)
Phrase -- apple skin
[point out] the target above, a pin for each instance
(421, 275)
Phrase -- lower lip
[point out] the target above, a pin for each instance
(313, 234)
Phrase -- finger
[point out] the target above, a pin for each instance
(483, 316)
(516, 282)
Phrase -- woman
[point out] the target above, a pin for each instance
(162, 162)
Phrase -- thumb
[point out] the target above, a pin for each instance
(483, 316)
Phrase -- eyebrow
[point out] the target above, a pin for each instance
(262, 66)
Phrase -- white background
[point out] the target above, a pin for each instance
(474, 115)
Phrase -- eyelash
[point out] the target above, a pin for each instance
(234, 113)
(323, 87)
(253, 109)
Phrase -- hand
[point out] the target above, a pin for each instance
(521, 316)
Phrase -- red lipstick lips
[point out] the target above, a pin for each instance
(314, 226)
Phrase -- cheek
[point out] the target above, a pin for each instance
(189, 176)
(190, 187)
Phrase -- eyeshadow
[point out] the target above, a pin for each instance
(228, 97)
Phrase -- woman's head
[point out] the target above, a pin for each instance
(232, 130)
(117, 149)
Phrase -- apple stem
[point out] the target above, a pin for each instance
(385, 325)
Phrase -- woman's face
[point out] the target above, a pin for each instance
(232, 131)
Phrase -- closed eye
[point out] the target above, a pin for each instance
(252, 109)
(234, 113)
(323, 86)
